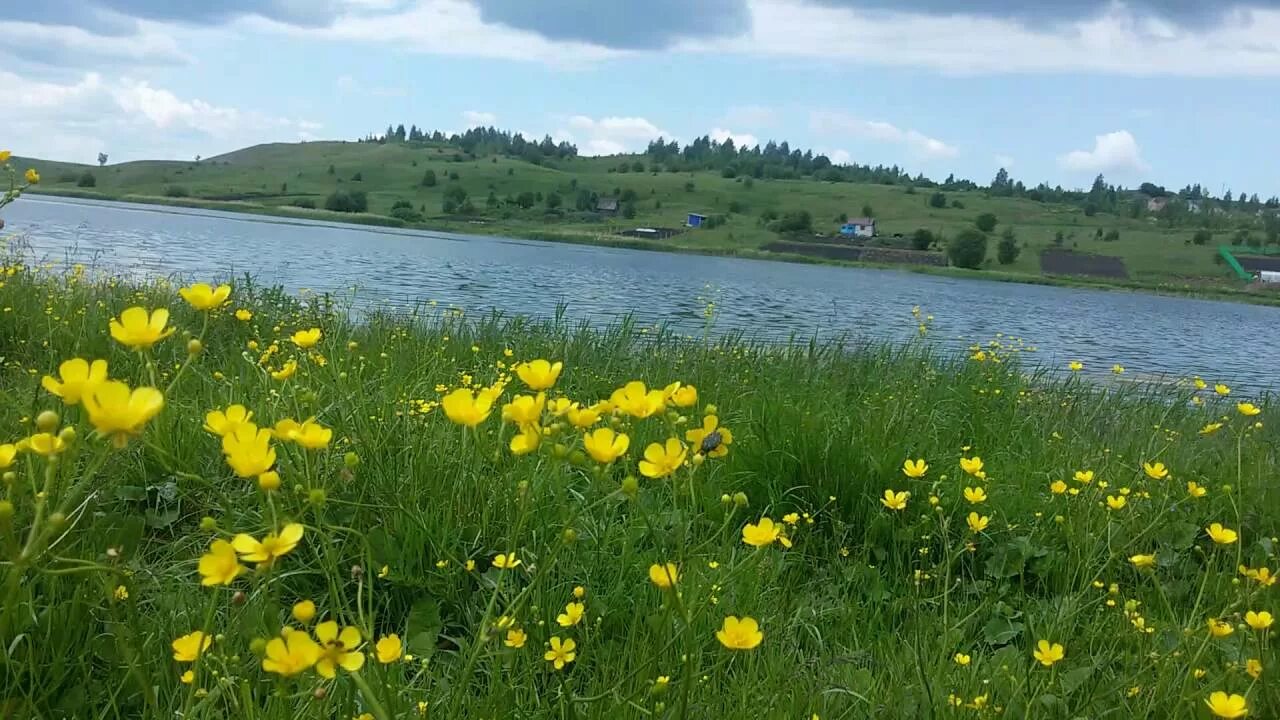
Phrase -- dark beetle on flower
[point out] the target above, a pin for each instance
(710, 442)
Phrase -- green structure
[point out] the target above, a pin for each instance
(1235, 264)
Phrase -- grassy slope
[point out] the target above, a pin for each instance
(392, 172)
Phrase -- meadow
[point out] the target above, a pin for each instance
(270, 179)
(222, 501)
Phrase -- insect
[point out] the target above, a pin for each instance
(710, 442)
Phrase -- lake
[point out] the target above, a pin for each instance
(1150, 335)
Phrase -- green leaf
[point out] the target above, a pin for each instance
(423, 627)
(1073, 679)
(1000, 631)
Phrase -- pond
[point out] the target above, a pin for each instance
(1152, 336)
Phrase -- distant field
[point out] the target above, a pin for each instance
(267, 177)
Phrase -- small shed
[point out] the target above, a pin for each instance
(859, 227)
(607, 206)
(695, 220)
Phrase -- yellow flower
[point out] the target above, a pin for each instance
(1117, 369)
(972, 465)
(1084, 476)
(286, 371)
(508, 561)
(711, 439)
(139, 329)
(303, 611)
(1221, 535)
(579, 592)
(1117, 502)
(660, 461)
(225, 422)
(914, 468)
(338, 649)
(604, 445)
(1155, 471)
(291, 654)
(1222, 390)
(664, 576)
(1219, 628)
(32, 177)
(515, 638)
(467, 408)
(309, 434)
(121, 593)
(248, 450)
(527, 440)
(524, 409)
(791, 518)
(1211, 428)
(306, 339)
(1262, 576)
(1258, 620)
(117, 412)
(572, 614)
(389, 649)
(187, 677)
(561, 652)
(1143, 562)
(895, 500)
(46, 444)
(978, 523)
(1075, 366)
(244, 315)
(740, 634)
(8, 451)
(975, 495)
(962, 659)
(582, 418)
(270, 547)
(189, 647)
(539, 374)
(79, 378)
(1253, 666)
(1248, 409)
(1195, 490)
(763, 533)
(684, 396)
(201, 296)
(219, 566)
(1057, 487)
(4, 156)
(1227, 706)
(1048, 653)
(638, 401)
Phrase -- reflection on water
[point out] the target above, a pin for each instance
(1149, 335)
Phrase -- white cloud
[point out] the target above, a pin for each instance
(476, 118)
(1113, 152)
(130, 119)
(1116, 42)
(67, 45)
(1004, 161)
(609, 135)
(740, 140)
(921, 145)
(840, 157)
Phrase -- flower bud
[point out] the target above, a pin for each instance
(740, 499)
(239, 598)
(269, 481)
(208, 524)
(726, 499)
(357, 572)
(317, 497)
(319, 693)
(9, 477)
(6, 512)
(577, 457)
(67, 435)
(47, 421)
(308, 396)
(569, 536)
(57, 520)
(194, 346)
(711, 410)
(698, 459)
(351, 460)
(258, 646)
(630, 486)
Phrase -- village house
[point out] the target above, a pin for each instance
(859, 227)
(607, 206)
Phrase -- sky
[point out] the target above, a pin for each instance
(1174, 92)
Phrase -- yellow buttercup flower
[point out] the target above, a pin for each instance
(291, 654)
(1211, 428)
(508, 561)
(561, 652)
(582, 418)
(527, 440)
(1143, 562)
(1117, 369)
(1258, 620)
(740, 634)
(975, 495)
(8, 451)
(286, 371)
(971, 465)
(119, 413)
(914, 468)
(389, 649)
(1248, 409)
(244, 315)
(306, 339)
(1253, 668)
(664, 575)
(524, 409)
(338, 649)
(1048, 653)
(1057, 487)
(638, 401)
(248, 450)
(762, 533)
(1155, 471)
(225, 422)
(1117, 502)
(4, 156)
(1221, 535)
(962, 659)
(78, 378)
(32, 177)
(572, 614)
(303, 611)
(219, 566)
(1075, 366)
(895, 500)
(1219, 628)
(1195, 490)
(1222, 390)
(515, 638)
(1084, 476)
(660, 461)
(271, 547)
(711, 439)
(46, 444)
(309, 433)
(684, 396)
(1227, 706)
(465, 407)
(202, 296)
(190, 646)
(977, 523)
(604, 445)
(139, 329)
(539, 374)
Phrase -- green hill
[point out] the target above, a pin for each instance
(277, 178)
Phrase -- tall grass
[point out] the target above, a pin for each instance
(863, 616)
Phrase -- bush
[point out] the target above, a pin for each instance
(1007, 249)
(429, 178)
(453, 174)
(957, 204)
(986, 222)
(749, 183)
(354, 201)
(307, 203)
(968, 249)
(1202, 237)
(938, 200)
(554, 200)
(629, 209)
(405, 212)
(688, 187)
(729, 172)
(736, 206)
(794, 221)
(86, 179)
(921, 239)
(526, 199)
(176, 191)
(1111, 236)
(358, 177)
(1090, 209)
(627, 195)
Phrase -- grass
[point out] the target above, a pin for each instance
(268, 178)
(862, 616)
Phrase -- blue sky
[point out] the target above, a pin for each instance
(1160, 90)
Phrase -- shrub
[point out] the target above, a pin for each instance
(629, 209)
(1202, 237)
(968, 249)
(526, 199)
(729, 171)
(1007, 249)
(938, 200)
(688, 187)
(986, 222)
(405, 212)
(794, 221)
(358, 177)
(1111, 236)
(736, 206)
(429, 178)
(921, 239)
(353, 201)
(453, 174)
(1090, 209)
(749, 183)
(176, 191)
(554, 200)
(86, 179)
(957, 204)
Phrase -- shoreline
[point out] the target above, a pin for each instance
(384, 223)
